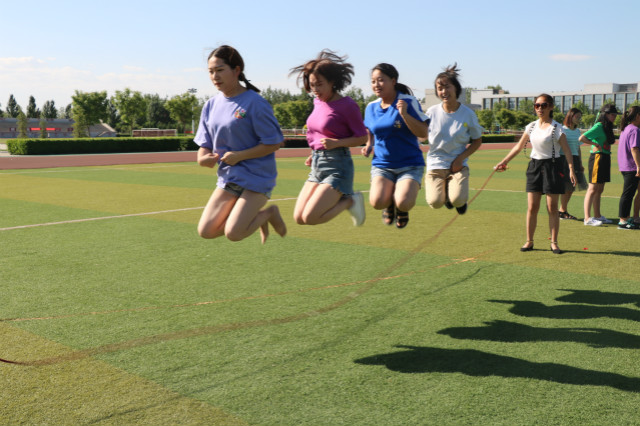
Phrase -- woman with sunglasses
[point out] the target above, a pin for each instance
(601, 137)
(544, 173)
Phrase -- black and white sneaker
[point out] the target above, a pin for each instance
(628, 225)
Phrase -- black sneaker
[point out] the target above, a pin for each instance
(448, 205)
(628, 225)
(462, 210)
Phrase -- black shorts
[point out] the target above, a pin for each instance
(599, 168)
(581, 183)
(546, 176)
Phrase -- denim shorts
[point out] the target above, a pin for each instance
(333, 167)
(396, 175)
(237, 190)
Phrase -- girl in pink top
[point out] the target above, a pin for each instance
(335, 125)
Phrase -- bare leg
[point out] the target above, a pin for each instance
(323, 203)
(246, 217)
(381, 193)
(588, 200)
(406, 194)
(564, 200)
(533, 206)
(599, 189)
(554, 219)
(215, 214)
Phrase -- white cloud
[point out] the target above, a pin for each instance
(567, 57)
(132, 68)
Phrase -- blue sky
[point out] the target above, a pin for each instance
(51, 49)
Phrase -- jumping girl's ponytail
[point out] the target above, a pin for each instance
(232, 57)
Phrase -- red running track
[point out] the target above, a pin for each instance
(11, 162)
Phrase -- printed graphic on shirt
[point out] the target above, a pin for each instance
(240, 113)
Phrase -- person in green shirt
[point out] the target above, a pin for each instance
(601, 137)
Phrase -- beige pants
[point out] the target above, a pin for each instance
(442, 184)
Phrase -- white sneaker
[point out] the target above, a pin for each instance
(603, 220)
(592, 222)
(357, 209)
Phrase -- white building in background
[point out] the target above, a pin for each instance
(56, 128)
(593, 96)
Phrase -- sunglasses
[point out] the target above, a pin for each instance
(541, 106)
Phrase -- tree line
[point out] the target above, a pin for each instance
(127, 110)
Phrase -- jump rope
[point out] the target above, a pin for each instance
(201, 331)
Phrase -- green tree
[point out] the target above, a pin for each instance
(157, 114)
(278, 96)
(81, 125)
(1, 113)
(65, 112)
(22, 124)
(13, 109)
(506, 118)
(43, 127)
(131, 106)
(91, 106)
(49, 110)
(183, 109)
(113, 117)
(588, 120)
(497, 88)
(526, 106)
(497, 106)
(32, 109)
(558, 115)
(292, 114)
(523, 118)
(486, 119)
(582, 107)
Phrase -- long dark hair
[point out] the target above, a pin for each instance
(629, 116)
(232, 57)
(452, 72)
(568, 120)
(332, 67)
(391, 72)
(607, 125)
(549, 100)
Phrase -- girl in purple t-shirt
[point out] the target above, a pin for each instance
(239, 132)
(629, 165)
(335, 125)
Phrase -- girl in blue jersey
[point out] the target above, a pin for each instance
(240, 134)
(394, 122)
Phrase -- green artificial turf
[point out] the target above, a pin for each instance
(123, 317)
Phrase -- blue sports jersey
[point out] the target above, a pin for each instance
(395, 146)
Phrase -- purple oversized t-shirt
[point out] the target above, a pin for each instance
(236, 124)
(629, 138)
(339, 119)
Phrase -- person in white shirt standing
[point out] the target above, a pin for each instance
(544, 173)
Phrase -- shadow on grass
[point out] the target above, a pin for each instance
(615, 253)
(528, 308)
(505, 331)
(416, 359)
(597, 297)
